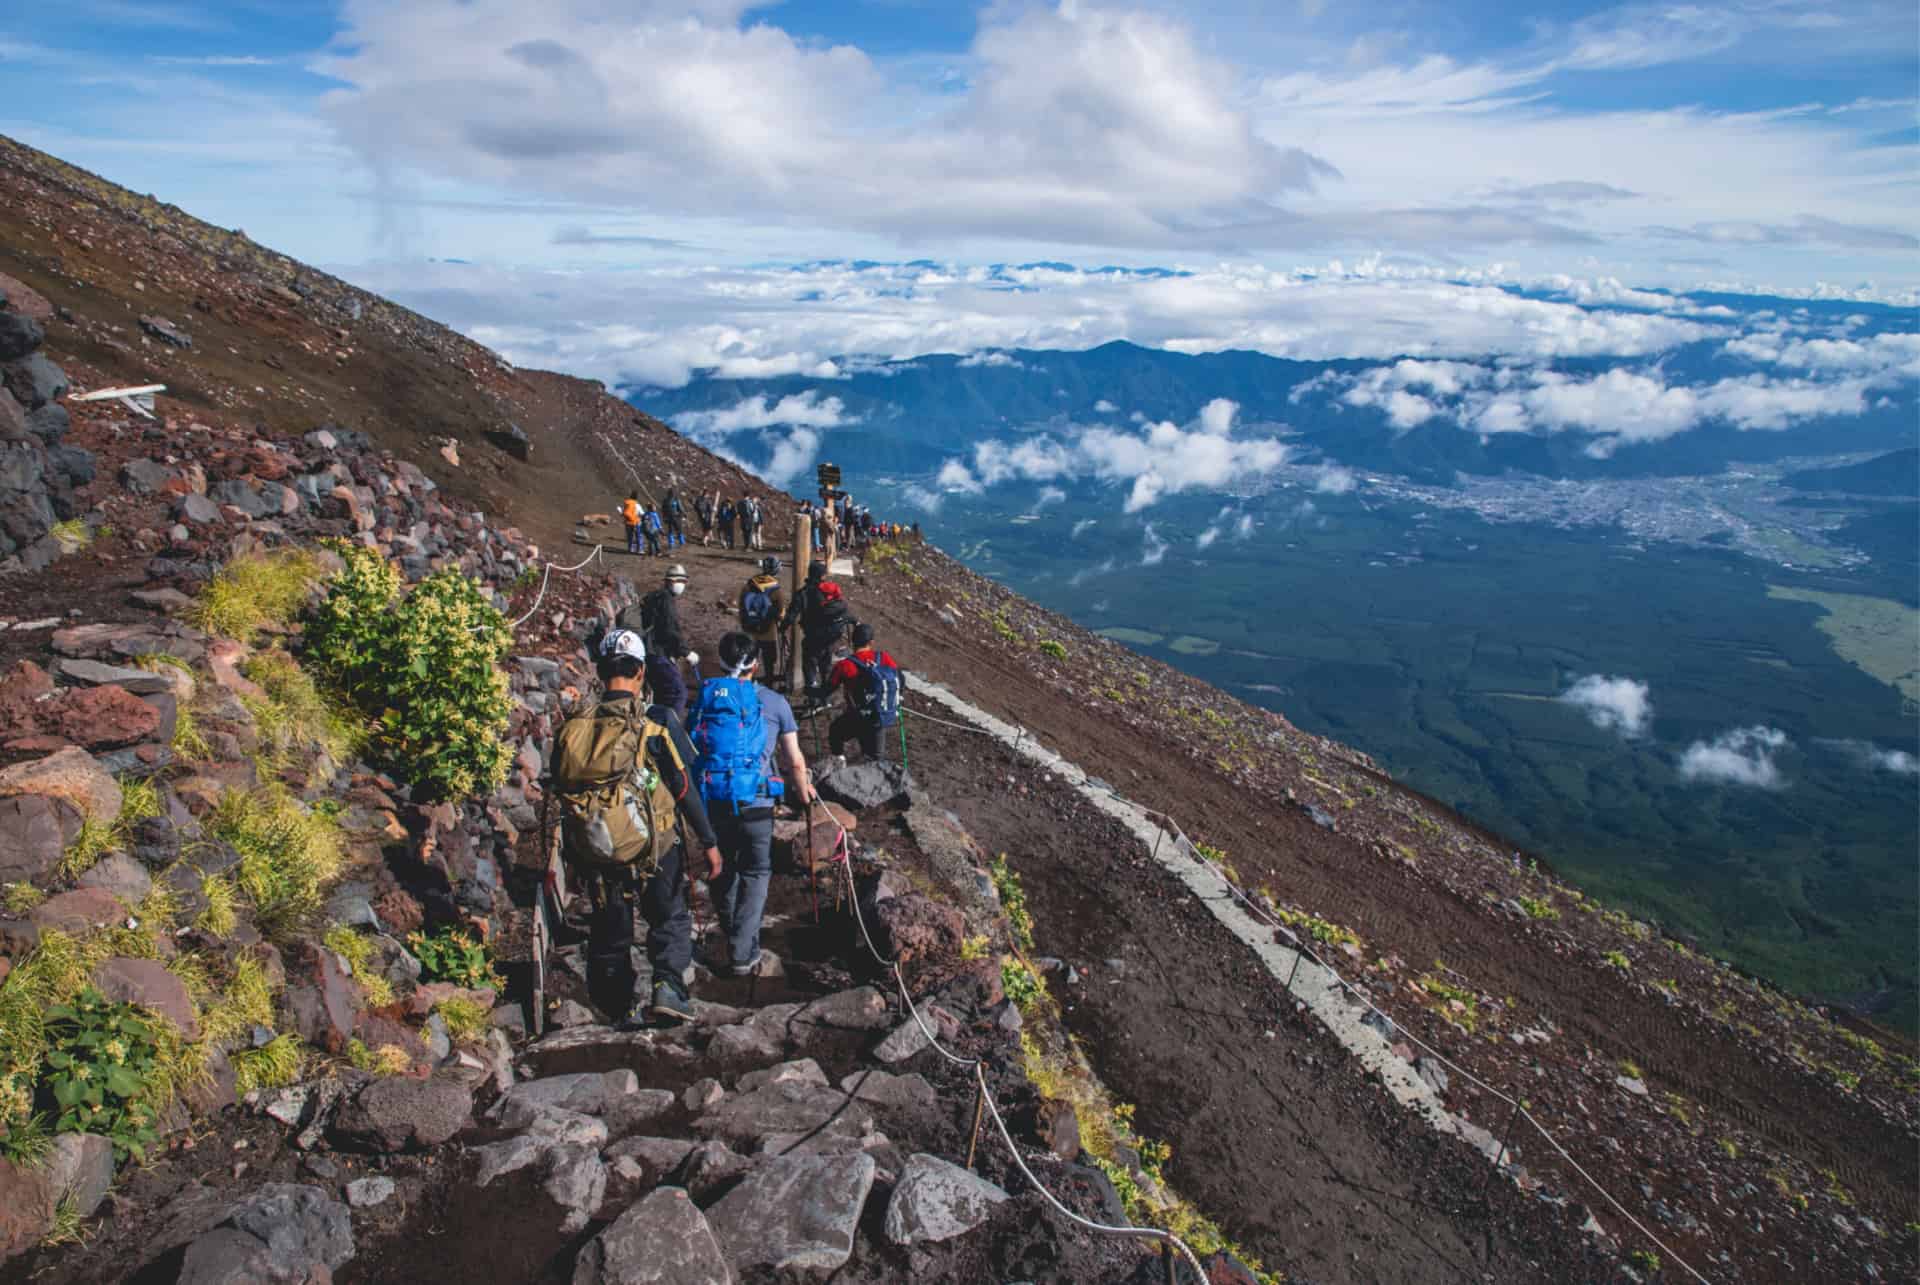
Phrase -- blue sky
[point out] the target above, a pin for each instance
(1768, 143)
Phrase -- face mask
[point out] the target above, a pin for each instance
(676, 589)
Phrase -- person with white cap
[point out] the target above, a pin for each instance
(657, 617)
(624, 791)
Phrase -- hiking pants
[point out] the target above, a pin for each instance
(852, 725)
(769, 657)
(816, 659)
(663, 903)
(633, 539)
(740, 893)
(676, 531)
(726, 533)
(653, 543)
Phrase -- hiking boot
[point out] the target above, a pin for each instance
(670, 1004)
(750, 967)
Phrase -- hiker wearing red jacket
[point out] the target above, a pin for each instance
(873, 681)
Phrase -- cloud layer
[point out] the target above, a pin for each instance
(1612, 704)
(1743, 756)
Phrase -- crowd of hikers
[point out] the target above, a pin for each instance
(672, 777)
(740, 523)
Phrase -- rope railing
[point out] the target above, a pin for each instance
(979, 1069)
(545, 575)
(1262, 915)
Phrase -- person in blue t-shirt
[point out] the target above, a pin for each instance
(745, 828)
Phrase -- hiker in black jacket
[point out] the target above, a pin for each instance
(724, 515)
(675, 514)
(656, 617)
(620, 657)
(822, 612)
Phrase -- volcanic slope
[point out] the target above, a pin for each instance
(1758, 1138)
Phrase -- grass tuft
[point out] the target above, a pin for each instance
(279, 1061)
(221, 916)
(288, 854)
(357, 949)
(254, 592)
(19, 898)
(295, 714)
(467, 1020)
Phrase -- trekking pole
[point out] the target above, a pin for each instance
(813, 879)
(903, 747)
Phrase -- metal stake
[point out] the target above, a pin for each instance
(1166, 1256)
(1501, 1153)
(979, 1107)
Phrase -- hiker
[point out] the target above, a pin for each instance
(664, 680)
(624, 789)
(630, 513)
(751, 517)
(676, 514)
(650, 523)
(761, 604)
(739, 728)
(873, 681)
(725, 515)
(821, 609)
(656, 617)
(703, 509)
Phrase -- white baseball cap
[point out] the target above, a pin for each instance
(623, 642)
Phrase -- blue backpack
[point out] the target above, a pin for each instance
(729, 732)
(879, 692)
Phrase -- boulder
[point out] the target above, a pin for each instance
(244, 496)
(710, 1168)
(147, 982)
(27, 1199)
(803, 1071)
(79, 912)
(79, 1167)
(25, 300)
(864, 785)
(897, 1092)
(71, 775)
(794, 1213)
(662, 1240)
(399, 1113)
(577, 1182)
(92, 673)
(745, 1043)
(34, 381)
(19, 335)
(365, 1193)
(166, 332)
(120, 875)
(148, 477)
(938, 1200)
(587, 1092)
(917, 930)
(323, 1001)
(299, 1225)
(105, 718)
(34, 834)
(226, 1256)
(660, 1156)
(196, 509)
(906, 1039)
(861, 1009)
(785, 1107)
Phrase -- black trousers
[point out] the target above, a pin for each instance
(816, 660)
(662, 901)
(852, 725)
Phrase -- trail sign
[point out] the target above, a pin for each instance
(829, 476)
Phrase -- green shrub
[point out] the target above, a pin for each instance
(1013, 900)
(1617, 960)
(253, 592)
(452, 956)
(273, 1064)
(1021, 986)
(19, 898)
(100, 1062)
(293, 714)
(357, 949)
(1539, 907)
(1055, 649)
(424, 667)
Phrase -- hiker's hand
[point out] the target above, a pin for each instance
(713, 864)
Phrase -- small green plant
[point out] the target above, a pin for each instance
(269, 1066)
(72, 535)
(1459, 1005)
(466, 1019)
(189, 742)
(357, 949)
(453, 956)
(93, 841)
(1115, 696)
(222, 913)
(1631, 1069)
(1021, 986)
(1668, 984)
(1729, 1148)
(293, 714)
(100, 1061)
(1054, 648)
(388, 1059)
(1617, 960)
(139, 801)
(67, 1227)
(1324, 931)
(254, 592)
(1004, 630)
(19, 898)
(27, 1138)
(1645, 1260)
(1013, 900)
(975, 948)
(1539, 907)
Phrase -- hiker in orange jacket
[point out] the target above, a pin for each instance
(630, 513)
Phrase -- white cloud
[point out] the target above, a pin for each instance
(806, 409)
(1332, 479)
(1612, 704)
(1871, 758)
(1743, 756)
(955, 476)
(921, 498)
(1080, 528)
(990, 358)
(1153, 548)
(1206, 538)
(792, 456)
(1049, 495)
(1243, 528)
(1217, 416)
(1104, 407)
(1101, 568)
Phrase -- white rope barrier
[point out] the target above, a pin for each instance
(541, 596)
(840, 857)
(1261, 914)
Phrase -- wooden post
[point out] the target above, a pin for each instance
(802, 555)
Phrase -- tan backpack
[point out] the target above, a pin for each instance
(615, 810)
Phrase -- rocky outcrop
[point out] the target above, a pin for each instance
(37, 474)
